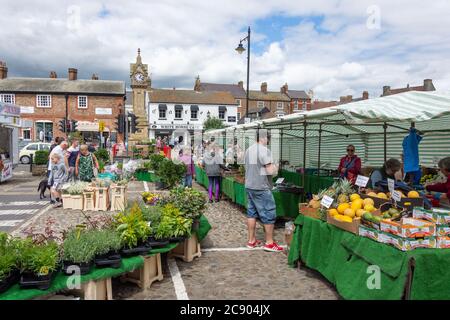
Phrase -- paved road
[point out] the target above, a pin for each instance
(19, 199)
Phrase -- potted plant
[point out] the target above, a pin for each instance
(170, 173)
(38, 263)
(102, 155)
(107, 244)
(75, 191)
(9, 273)
(173, 225)
(191, 202)
(133, 231)
(78, 250)
(152, 214)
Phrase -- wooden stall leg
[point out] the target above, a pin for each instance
(188, 250)
(150, 272)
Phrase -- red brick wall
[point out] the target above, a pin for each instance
(58, 111)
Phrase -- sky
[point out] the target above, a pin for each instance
(332, 47)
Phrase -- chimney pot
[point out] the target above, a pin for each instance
(365, 95)
(241, 84)
(428, 85)
(264, 87)
(94, 76)
(53, 75)
(3, 70)
(73, 74)
(386, 90)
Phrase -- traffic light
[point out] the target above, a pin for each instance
(120, 123)
(62, 125)
(133, 123)
(73, 125)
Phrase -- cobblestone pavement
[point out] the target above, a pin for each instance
(218, 273)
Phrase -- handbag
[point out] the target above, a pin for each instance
(94, 169)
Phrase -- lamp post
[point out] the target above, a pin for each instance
(240, 49)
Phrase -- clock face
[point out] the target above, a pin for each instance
(139, 77)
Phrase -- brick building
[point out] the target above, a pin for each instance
(300, 100)
(427, 86)
(43, 103)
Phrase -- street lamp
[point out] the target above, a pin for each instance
(240, 49)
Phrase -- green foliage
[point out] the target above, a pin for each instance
(152, 214)
(105, 240)
(78, 247)
(101, 166)
(41, 157)
(173, 223)
(9, 255)
(155, 161)
(102, 155)
(191, 202)
(132, 227)
(170, 172)
(213, 123)
(40, 259)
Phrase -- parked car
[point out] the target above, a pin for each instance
(30, 149)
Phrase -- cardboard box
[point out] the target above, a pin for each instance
(352, 227)
(409, 228)
(435, 215)
(414, 202)
(443, 242)
(442, 230)
(407, 244)
(368, 232)
(307, 211)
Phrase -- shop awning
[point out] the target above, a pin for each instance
(162, 107)
(194, 108)
(178, 107)
(222, 108)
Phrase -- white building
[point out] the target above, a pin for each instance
(181, 110)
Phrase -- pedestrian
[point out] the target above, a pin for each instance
(186, 158)
(158, 144)
(59, 149)
(259, 169)
(41, 136)
(72, 154)
(57, 142)
(58, 176)
(350, 165)
(213, 163)
(86, 165)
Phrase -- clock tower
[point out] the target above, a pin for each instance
(140, 82)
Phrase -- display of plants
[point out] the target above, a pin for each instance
(173, 224)
(152, 214)
(9, 259)
(150, 198)
(78, 249)
(75, 188)
(105, 241)
(101, 166)
(156, 160)
(170, 173)
(102, 155)
(191, 202)
(132, 227)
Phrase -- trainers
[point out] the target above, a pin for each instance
(273, 247)
(253, 245)
(57, 205)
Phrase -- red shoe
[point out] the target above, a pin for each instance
(273, 247)
(253, 245)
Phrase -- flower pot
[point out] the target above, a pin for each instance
(29, 280)
(109, 260)
(10, 280)
(38, 169)
(77, 202)
(85, 267)
(157, 243)
(141, 249)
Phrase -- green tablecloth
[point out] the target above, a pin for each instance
(60, 281)
(313, 183)
(228, 188)
(344, 259)
(203, 228)
(198, 174)
(142, 176)
(240, 194)
(287, 204)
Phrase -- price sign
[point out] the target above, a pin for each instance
(391, 185)
(327, 201)
(397, 196)
(279, 180)
(361, 181)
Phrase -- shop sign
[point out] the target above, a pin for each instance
(103, 111)
(7, 171)
(177, 126)
(26, 109)
(9, 110)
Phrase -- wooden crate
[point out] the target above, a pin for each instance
(67, 201)
(118, 198)
(101, 199)
(307, 211)
(88, 201)
(149, 273)
(188, 250)
(77, 202)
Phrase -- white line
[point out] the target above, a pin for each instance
(18, 212)
(180, 289)
(146, 186)
(25, 203)
(32, 220)
(10, 223)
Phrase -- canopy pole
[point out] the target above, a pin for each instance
(304, 153)
(281, 153)
(320, 145)
(385, 141)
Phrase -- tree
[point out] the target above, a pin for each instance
(213, 123)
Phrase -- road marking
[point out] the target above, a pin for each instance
(18, 212)
(180, 289)
(32, 220)
(146, 186)
(25, 203)
(10, 223)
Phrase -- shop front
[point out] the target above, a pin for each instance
(9, 133)
(91, 135)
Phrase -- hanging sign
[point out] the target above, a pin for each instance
(327, 201)
(361, 181)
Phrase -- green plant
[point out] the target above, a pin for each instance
(76, 188)
(152, 214)
(41, 157)
(155, 161)
(78, 247)
(170, 172)
(101, 165)
(132, 227)
(213, 123)
(191, 202)
(173, 223)
(40, 259)
(105, 240)
(9, 255)
(102, 155)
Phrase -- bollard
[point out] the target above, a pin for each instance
(31, 162)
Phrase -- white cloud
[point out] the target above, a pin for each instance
(180, 39)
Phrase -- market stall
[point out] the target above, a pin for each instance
(9, 133)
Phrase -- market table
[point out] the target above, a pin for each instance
(287, 203)
(228, 188)
(348, 261)
(313, 183)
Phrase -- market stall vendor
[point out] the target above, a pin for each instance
(442, 189)
(350, 165)
(391, 169)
